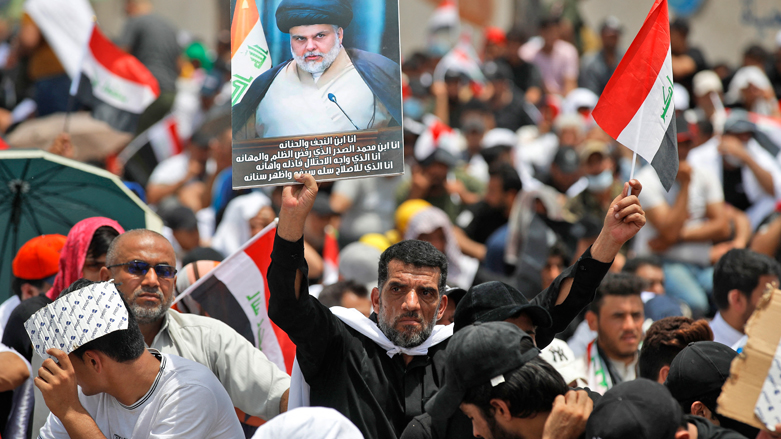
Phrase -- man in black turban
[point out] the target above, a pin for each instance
(298, 97)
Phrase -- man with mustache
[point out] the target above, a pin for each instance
(293, 98)
(381, 371)
(616, 313)
(142, 262)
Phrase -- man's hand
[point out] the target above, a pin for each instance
(731, 145)
(57, 382)
(623, 220)
(569, 415)
(684, 173)
(62, 146)
(297, 201)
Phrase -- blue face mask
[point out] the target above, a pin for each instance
(600, 182)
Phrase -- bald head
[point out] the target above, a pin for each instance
(121, 244)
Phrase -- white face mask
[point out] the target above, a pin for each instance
(601, 181)
(733, 161)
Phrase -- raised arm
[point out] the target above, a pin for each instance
(297, 202)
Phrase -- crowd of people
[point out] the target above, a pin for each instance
(514, 282)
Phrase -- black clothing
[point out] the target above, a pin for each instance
(706, 430)
(15, 336)
(485, 221)
(513, 115)
(734, 190)
(347, 371)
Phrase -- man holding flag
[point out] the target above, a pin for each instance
(380, 371)
(142, 264)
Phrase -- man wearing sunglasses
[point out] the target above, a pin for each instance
(142, 262)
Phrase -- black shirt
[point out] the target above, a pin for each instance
(347, 371)
(486, 220)
(734, 189)
(706, 430)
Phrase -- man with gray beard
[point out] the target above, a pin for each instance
(379, 372)
(299, 96)
(142, 264)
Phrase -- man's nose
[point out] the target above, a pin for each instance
(411, 302)
(310, 45)
(150, 278)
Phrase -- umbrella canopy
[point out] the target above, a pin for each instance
(43, 193)
(92, 139)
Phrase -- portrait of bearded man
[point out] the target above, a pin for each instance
(325, 87)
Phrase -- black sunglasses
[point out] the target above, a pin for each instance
(140, 268)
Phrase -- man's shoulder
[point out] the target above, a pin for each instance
(381, 61)
(180, 320)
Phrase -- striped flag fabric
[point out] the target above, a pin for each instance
(249, 50)
(145, 151)
(330, 257)
(114, 77)
(637, 107)
(236, 292)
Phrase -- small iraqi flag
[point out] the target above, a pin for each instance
(236, 292)
(636, 107)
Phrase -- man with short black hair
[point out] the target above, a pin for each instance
(123, 390)
(664, 339)
(740, 278)
(616, 314)
(499, 381)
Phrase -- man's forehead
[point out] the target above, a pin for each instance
(146, 246)
(310, 29)
(399, 268)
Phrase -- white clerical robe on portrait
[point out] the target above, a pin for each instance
(295, 104)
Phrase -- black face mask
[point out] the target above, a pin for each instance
(744, 429)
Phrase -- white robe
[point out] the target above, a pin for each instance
(296, 105)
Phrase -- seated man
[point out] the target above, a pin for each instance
(499, 381)
(739, 280)
(124, 390)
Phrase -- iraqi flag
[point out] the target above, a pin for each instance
(145, 151)
(117, 85)
(236, 292)
(636, 108)
(249, 51)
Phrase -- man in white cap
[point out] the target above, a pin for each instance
(110, 385)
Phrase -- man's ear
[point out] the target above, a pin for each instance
(682, 433)
(737, 300)
(93, 360)
(340, 34)
(663, 372)
(442, 307)
(105, 274)
(501, 409)
(28, 291)
(592, 319)
(699, 409)
(376, 300)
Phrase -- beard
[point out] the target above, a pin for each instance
(409, 338)
(315, 67)
(149, 314)
(498, 432)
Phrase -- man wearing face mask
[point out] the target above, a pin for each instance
(599, 169)
(750, 175)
